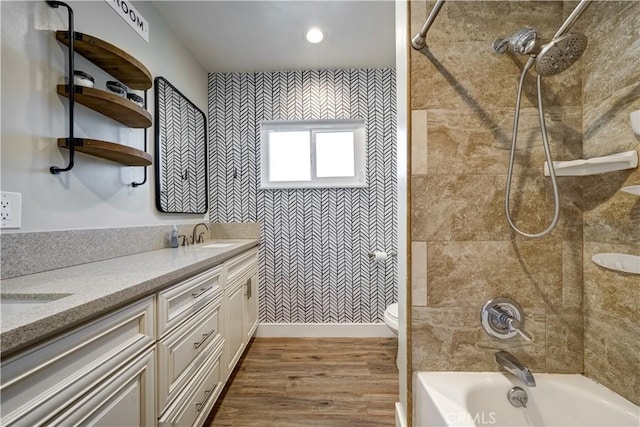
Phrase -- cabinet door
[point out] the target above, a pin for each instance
(40, 382)
(126, 398)
(250, 312)
(234, 333)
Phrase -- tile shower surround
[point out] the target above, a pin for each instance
(611, 90)
(462, 101)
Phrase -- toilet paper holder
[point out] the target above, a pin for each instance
(381, 255)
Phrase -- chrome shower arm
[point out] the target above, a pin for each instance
(419, 41)
(571, 19)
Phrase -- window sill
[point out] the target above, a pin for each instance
(303, 187)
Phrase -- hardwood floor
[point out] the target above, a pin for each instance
(299, 382)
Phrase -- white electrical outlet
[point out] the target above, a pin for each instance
(10, 209)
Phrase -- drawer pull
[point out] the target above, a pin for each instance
(248, 285)
(202, 291)
(206, 395)
(204, 338)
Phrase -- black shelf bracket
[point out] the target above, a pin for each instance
(77, 142)
(72, 90)
(138, 184)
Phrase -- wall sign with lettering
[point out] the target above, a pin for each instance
(125, 9)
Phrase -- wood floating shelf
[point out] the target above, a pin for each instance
(119, 153)
(122, 67)
(110, 105)
(113, 60)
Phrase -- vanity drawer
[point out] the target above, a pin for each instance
(243, 266)
(183, 351)
(179, 302)
(38, 383)
(192, 406)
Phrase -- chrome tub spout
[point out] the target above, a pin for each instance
(509, 362)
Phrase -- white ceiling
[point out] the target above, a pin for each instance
(244, 36)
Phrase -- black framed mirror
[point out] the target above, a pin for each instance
(181, 152)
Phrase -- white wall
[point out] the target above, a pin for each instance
(96, 193)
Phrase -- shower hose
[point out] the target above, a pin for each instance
(547, 153)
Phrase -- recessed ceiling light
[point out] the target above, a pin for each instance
(314, 35)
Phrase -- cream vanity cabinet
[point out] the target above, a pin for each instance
(101, 373)
(162, 360)
(240, 306)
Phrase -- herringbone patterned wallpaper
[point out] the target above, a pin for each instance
(314, 266)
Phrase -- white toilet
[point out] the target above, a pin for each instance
(391, 320)
(391, 317)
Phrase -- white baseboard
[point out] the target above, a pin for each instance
(326, 330)
(401, 419)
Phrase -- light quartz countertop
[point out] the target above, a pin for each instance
(97, 287)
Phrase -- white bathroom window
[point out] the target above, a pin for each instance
(313, 153)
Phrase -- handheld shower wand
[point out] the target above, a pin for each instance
(548, 59)
(547, 154)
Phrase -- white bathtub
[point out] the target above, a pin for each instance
(480, 399)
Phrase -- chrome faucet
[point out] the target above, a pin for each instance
(509, 362)
(198, 238)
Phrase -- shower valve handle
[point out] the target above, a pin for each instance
(515, 325)
(510, 322)
(503, 318)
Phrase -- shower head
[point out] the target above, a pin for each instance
(551, 58)
(560, 53)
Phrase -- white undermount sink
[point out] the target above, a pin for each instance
(217, 245)
(14, 304)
